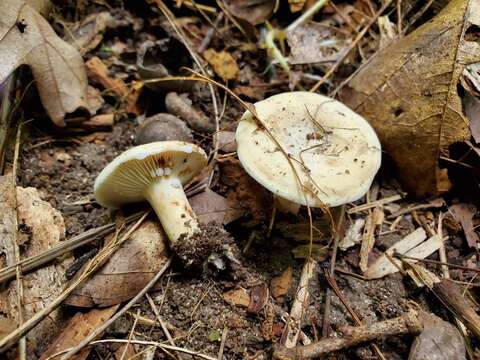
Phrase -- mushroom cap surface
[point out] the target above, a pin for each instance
(334, 151)
(129, 175)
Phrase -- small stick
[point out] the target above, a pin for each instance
(373, 204)
(409, 323)
(123, 310)
(142, 342)
(353, 44)
(22, 344)
(160, 320)
(436, 262)
(294, 324)
(222, 343)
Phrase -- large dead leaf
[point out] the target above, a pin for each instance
(408, 92)
(42, 228)
(129, 269)
(26, 38)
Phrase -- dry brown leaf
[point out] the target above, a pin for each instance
(253, 11)
(42, 228)
(408, 91)
(129, 269)
(280, 285)
(78, 328)
(98, 72)
(26, 38)
(223, 64)
(464, 214)
(212, 207)
(238, 297)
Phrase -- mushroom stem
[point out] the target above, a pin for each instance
(286, 206)
(167, 198)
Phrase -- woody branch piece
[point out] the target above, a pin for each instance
(409, 323)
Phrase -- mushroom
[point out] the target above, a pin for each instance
(155, 172)
(334, 151)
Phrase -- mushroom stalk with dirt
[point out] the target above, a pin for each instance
(308, 149)
(156, 172)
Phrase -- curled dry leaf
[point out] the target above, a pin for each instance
(129, 269)
(42, 228)
(253, 11)
(88, 34)
(408, 91)
(223, 64)
(26, 38)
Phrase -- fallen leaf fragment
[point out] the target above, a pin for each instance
(382, 266)
(129, 269)
(78, 328)
(98, 72)
(253, 11)
(43, 228)
(57, 67)
(328, 43)
(88, 34)
(464, 214)
(353, 235)
(237, 297)
(223, 64)
(212, 207)
(408, 92)
(280, 285)
(296, 5)
(258, 298)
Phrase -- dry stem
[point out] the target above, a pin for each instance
(409, 323)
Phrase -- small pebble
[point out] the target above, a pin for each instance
(162, 127)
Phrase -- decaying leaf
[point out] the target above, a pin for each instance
(26, 38)
(78, 328)
(439, 340)
(87, 34)
(212, 207)
(464, 214)
(280, 285)
(238, 297)
(223, 64)
(411, 245)
(253, 11)
(43, 228)
(328, 43)
(129, 269)
(408, 91)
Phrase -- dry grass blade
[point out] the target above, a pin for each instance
(31, 263)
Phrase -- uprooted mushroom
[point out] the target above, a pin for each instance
(156, 172)
(329, 155)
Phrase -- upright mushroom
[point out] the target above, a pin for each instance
(334, 151)
(156, 172)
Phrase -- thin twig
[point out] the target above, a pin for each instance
(353, 44)
(142, 342)
(160, 320)
(222, 343)
(123, 310)
(22, 345)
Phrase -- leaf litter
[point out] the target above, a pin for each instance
(242, 306)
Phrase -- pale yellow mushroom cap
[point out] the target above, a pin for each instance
(335, 151)
(127, 178)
